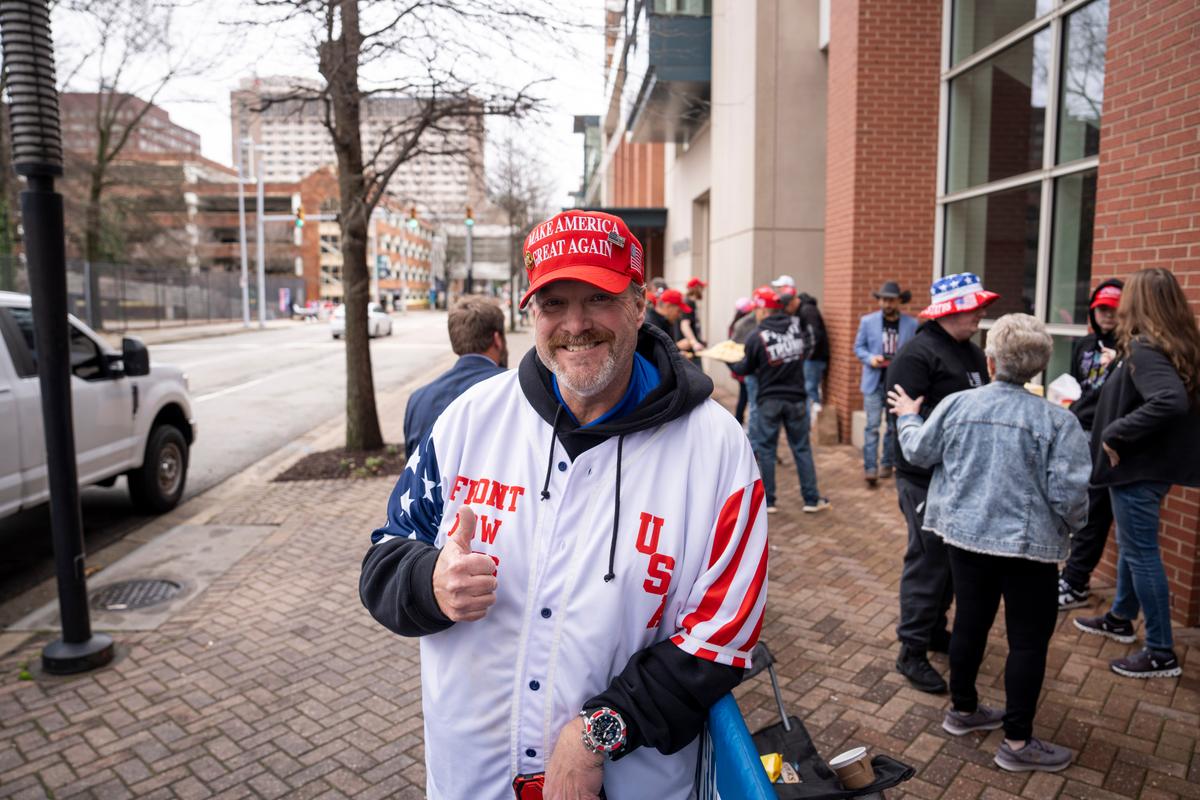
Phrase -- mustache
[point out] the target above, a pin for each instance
(566, 340)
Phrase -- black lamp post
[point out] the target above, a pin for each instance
(37, 155)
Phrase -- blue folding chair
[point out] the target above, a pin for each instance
(730, 769)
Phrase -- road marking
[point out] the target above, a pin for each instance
(235, 388)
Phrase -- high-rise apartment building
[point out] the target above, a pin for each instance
(297, 144)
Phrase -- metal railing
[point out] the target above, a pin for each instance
(135, 296)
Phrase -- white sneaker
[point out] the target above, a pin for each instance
(816, 408)
(772, 509)
(822, 504)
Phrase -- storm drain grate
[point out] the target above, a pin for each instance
(128, 595)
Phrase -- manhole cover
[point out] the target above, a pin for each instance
(128, 595)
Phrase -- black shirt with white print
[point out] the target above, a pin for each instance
(934, 365)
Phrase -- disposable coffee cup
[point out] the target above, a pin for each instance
(853, 768)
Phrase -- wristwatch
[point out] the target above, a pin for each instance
(603, 730)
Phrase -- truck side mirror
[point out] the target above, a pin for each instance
(135, 357)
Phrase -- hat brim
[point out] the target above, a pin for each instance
(601, 277)
(903, 297)
(1105, 301)
(961, 305)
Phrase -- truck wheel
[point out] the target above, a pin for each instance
(157, 485)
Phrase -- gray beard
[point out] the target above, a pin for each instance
(594, 387)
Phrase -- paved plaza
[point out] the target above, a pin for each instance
(274, 682)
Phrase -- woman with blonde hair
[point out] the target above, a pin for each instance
(1145, 438)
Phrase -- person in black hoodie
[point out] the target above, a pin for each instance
(540, 629)
(940, 360)
(1090, 358)
(775, 357)
(1146, 437)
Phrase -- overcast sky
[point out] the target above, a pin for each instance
(202, 103)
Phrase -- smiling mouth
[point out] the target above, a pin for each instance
(580, 348)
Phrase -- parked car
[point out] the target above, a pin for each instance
(131, 418)
(378, 321)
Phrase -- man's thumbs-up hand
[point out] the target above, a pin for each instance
(464, 583)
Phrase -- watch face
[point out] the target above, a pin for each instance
(606, 731)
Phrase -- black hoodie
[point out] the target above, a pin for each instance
(775, 353)
(663, 693)
(814, 327)
(1085, 362)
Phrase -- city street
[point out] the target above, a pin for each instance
(252, 393)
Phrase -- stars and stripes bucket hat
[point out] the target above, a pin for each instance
(954, 294)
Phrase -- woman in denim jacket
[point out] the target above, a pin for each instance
(1010, 476)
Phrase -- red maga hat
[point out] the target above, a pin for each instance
(675, 298)
(766, 297)
(694, 282)
(588, 246)
(1108, 296)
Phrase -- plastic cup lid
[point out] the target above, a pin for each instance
(842, 759)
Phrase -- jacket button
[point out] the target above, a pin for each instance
(562, 466)
(545, 613)
(531, 753)
(534, 685)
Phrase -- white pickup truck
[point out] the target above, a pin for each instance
(131, 418)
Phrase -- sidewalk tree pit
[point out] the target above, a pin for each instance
(341, 463)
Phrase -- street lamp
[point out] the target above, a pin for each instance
(37, 154)
(470, 223)
(242, 143)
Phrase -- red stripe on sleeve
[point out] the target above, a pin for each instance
(716, 592)
(705, 653)
(726, 524)
(727, 631)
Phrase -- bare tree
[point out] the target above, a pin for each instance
(128, 55)
(520, 187)
(434, 53)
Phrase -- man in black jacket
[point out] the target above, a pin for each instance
(940, 360)
(1090, 360)
(775, 353)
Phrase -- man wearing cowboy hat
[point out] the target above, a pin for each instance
(940, 360)
(880, 336)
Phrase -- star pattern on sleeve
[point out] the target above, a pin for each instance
(415, 507)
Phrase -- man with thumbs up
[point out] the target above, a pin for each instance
(578, 613)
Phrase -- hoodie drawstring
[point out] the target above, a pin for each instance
(550, 458)
(612, 546)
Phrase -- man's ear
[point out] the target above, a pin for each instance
(498, 340)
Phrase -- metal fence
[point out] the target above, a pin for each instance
(140, 296)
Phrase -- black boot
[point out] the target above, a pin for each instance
(913, 665)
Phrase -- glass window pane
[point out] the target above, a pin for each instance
(996, 237)
(1082, 93)
(998, 115)
(1071, 250)
(1060, 359)
(978, 23)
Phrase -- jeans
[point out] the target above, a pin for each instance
(765, 422)
(743, 400)
(751, 384)
(814, 373)
(926, 588)
(876, 405)
(1087, 545)
(1030, 592)
(1141, 579)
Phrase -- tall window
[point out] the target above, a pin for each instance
(1022, 92)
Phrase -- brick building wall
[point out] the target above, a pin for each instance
(881, 167)
(1148, 205)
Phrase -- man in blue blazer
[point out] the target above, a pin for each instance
(477, 338)
(881, 334)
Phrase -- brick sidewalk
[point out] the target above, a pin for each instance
(274, 682)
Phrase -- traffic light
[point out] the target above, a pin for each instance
(299, 217)
(413, 224)
(470, 220)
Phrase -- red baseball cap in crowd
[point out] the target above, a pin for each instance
(1108, 296)
(766, 297)
(588, 246)
(675, 298)
(694, 282)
